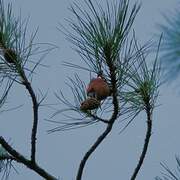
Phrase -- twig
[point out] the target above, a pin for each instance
(35, 114)
(20, 158)
(146, 143)
(91, 150)
(99, 119)
(7, 157)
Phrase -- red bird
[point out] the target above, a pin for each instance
(98, 88)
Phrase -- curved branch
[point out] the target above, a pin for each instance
(146, 143)
(91, 150)
(20, 158)
(35, 115)
(109, 126)
(99, 119)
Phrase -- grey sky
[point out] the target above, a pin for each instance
(60, 153)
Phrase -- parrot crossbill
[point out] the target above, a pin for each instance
(98, 88)
(90, 104)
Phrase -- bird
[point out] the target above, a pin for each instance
(98, 88)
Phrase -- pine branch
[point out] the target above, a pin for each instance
(146, 143)
(28, 163)
(146, 84)
(108, 128)
(28, 86)
(91, 150)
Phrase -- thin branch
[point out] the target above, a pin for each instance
(20, 158)
(91, 150)
(28, 86)
(108, 128)
(99, 119)
(146, 143)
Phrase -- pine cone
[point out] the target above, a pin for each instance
(90, 104)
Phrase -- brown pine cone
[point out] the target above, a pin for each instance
(90, 104)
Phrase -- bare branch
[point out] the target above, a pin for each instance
(28, 86)
(146, 143)
(20, 158)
